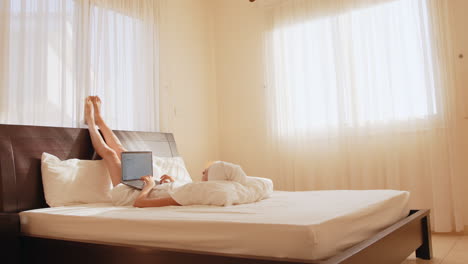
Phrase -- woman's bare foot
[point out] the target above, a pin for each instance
(89, 111)
(97, 110)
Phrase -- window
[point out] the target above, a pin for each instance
(361, 67)
(61, 51)
(40, 61)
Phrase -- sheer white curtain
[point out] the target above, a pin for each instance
(362, 96)
(57, 52)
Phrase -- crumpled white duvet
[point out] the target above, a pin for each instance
(220, 193)
(223, 193)
(227, 185)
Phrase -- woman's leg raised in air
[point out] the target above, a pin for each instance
(111, 139)
(109, 155)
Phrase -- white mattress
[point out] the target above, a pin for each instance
(292, 225)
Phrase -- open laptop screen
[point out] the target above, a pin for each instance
(136, 164)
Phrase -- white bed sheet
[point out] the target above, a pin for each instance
(293, 225)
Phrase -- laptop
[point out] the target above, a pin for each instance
(136, 164)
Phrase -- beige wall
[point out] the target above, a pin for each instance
(459, 8)
(187, 81)
(240, 83)
(241, 90)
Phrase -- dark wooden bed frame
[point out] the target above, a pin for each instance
(21, 189)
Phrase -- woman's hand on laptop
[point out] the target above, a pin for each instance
(149, 182)
(166, 179)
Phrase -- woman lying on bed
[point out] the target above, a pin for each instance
(228, 182)
(111, 149)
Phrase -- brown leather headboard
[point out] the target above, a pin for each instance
(21, 148)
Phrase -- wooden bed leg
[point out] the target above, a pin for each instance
(425, 250)
(9, 238)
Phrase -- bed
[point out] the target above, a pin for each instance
(34, 233)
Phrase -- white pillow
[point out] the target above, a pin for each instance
(74, 181)
(172, 166)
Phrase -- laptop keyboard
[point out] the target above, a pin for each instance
(136, 183)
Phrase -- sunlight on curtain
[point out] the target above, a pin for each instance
(59, 52)
(362, 67)
(361, 97)
(39, 63)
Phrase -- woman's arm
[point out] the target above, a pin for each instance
(154, 202)
(143, 201)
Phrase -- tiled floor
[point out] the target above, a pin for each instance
(448, 249)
